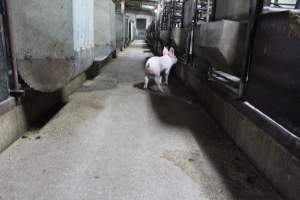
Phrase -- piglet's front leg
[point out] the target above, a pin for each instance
(146, 82)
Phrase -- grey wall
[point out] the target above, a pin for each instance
(104, 17)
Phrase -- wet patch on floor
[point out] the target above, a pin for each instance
(103, 82)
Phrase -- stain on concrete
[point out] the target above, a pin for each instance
(198, 168)
(103, 82)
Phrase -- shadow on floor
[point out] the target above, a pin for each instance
(178, 108)
(40, 108)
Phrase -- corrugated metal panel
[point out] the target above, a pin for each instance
(103, 37)
(113, 24)
(120, 20)
(83, 24)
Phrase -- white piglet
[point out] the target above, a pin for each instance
(156, 65)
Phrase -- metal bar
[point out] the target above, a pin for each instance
(196, 13)
(297, 6)
(208, 11)
(282, 4)
(11, 46)
(214, 10)
(256, 9)
(182, 15)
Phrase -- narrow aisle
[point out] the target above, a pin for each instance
(115, 141)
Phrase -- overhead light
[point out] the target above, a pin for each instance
(148, 7)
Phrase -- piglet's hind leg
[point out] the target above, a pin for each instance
(146, 82)
(157, 82)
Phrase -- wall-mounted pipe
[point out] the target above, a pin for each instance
(11, 46)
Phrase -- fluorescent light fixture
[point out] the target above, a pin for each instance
(148, 7)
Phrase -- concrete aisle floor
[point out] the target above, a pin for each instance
(115, 141)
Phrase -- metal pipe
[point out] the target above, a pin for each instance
(297, 6)
(12, 46)
(214, 10)
(182, 15)
(195, 13)
(208, 11)
(256, 8)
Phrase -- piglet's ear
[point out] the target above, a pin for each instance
(165, 51)
(172, 52)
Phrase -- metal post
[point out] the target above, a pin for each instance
(208, 11)
(256, 8)
(297, 6)
(12, 46)
(196, 13)
(214, 10)
(182, 14)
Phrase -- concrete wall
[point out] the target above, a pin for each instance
(54, 40)
(104, 20)
(251, 131)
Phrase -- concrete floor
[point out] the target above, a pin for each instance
(115, 141)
